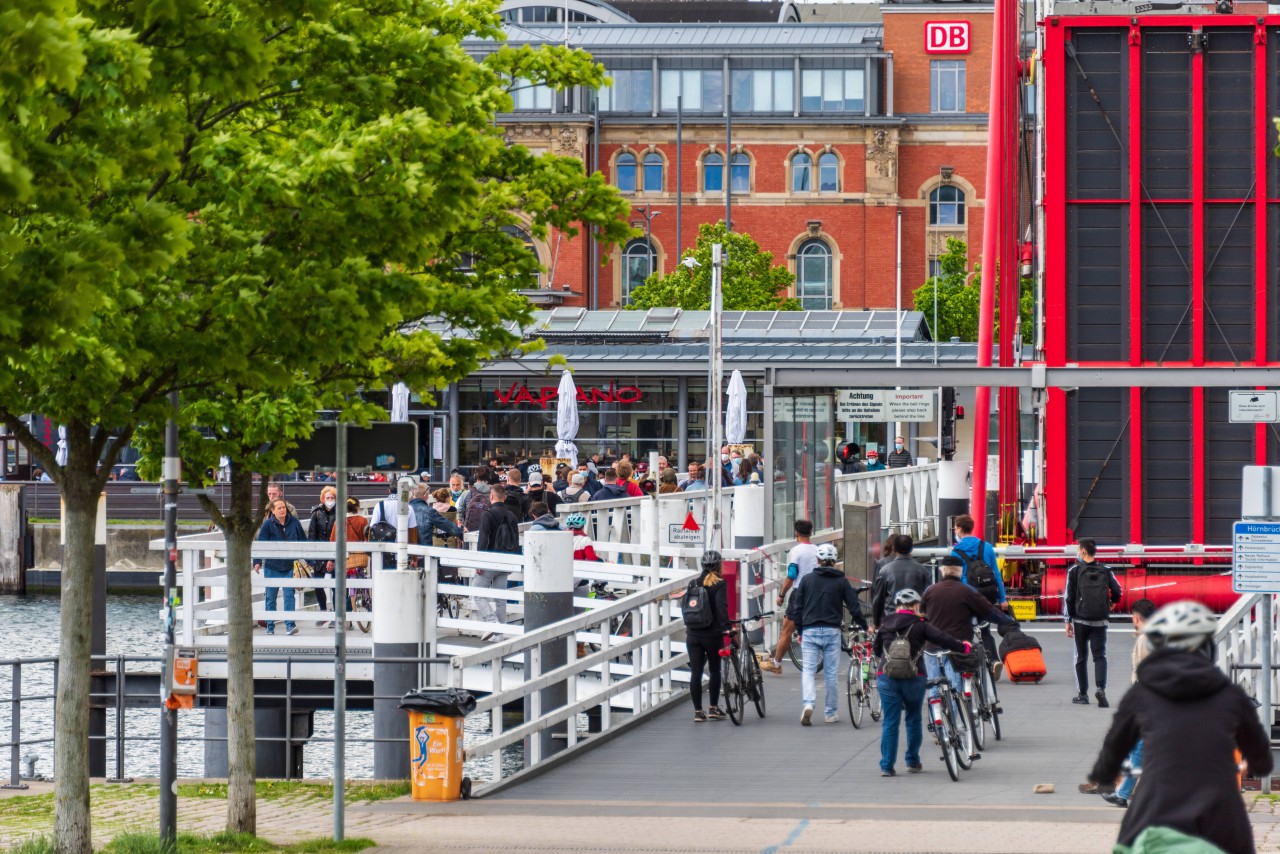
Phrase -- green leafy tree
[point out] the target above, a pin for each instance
(959, 297)
(249, 202)
(750, 281)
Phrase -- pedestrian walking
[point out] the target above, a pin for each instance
(816, 609)
(706, 633)
(801, 560)
(1090, 592)
(1142, 611)
(901, 573)
(499, 532)
(319, 530)
(279, 526)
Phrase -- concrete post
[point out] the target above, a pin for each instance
(953, 496)
(397, 631)
(748, 533)
(13, 574)
(548, 598)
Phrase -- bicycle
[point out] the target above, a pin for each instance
(742, 678)
(980, 693)
(796, 653)
(952, 724)
(861, 687)
(360, 600)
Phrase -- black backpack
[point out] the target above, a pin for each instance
(506, 538)
(979, 575)
(1093, 592)
(695, 607)
(381, 531)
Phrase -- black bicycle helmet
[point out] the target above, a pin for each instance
(711, 561)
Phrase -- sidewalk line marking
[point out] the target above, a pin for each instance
(791, 838)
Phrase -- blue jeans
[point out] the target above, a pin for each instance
(899, 697)
(820, 641)
(1135, 759)
(273, 592)
(933, 668)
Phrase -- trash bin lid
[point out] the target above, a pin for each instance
(453, 702)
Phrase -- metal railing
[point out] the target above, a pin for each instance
(1238, 646)
(908, 498)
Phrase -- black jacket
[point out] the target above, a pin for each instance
(895, 576)
(519, 504)
(321, 523)
(951, 606)
(919, 632)
(544, 495)
(719, 593)
(496, 515)
(1073, 573)
(609, 492)
(820, 599)
(1191, 718)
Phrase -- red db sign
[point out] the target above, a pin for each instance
(946, 37)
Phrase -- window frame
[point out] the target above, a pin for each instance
(706, 168)
(956, 205)
(807, 171)
(947, 75)
(640, 249)
(803, 252)
(740, 167)
(631, 167)
(828, 160)
(653, 160)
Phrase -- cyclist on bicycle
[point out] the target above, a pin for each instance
(1191, 719)
(816, 608)
(952, 606)
(905, 697)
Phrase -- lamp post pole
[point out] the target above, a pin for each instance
(649, 215)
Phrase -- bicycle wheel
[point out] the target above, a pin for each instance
(360, 604)
(796, 653)
(754, 678)
(854, 691)
(942, 733)
(731, 687)
(977, 703)
(873, 697)
(962, 727)
(993, 702)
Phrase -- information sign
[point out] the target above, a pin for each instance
(1254, 407)
(1255, 562)
(909, 405)
(854, 404)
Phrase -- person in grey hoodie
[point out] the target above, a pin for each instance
(611, 490)
(542, 518)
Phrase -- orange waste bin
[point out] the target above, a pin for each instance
(436, 743)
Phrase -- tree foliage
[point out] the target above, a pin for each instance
(959, 293)
(249, 202)
(750, 281)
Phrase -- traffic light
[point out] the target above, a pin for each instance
(949, 413)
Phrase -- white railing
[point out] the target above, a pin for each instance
(1238, 644)
(648, 676)
(908, 498)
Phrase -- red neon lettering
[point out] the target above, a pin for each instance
(959, 36)
(523, 396)
(505, 398)
(599, 395)
(547, 394)
(632, 394)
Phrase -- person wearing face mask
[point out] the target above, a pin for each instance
(456, 489)
(319, 531)
(900, 457)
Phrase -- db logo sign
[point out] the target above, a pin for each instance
(946, 37)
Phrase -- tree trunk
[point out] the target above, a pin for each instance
(72, 831)
(242, 808)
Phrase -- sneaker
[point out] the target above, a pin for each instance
(831, 719)
(1081, 699)
(997, 667)
(699, 717)
(292, 630)
(914, 769)
(715, 713)
(1102, 700)
(771, 667)
(889, 773)
(1115, 800)
(271, 631)
(806, 716)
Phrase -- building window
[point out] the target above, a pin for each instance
(763, 91)
(626, 169)
(828, 173)
(637, 265)
(520, 234)
(530, 97)
(702, 90)
(935, 267)
(832, 90)
(653, 172)
(713, 173)
(946, 206)
(801, 173)
(813, 275)
(946, 86)
(631, 92)
(740, 172)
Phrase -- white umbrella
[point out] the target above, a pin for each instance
(735, 414)
(400, 403)
(61, 457)
(567, 419)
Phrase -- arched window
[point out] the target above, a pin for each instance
(713, 173)
(813, 275)
(801, 173)
(653, 172)
(946, 205)
(637, 264)
(740, 172)
(828, 173)
(523, 236)
(627, 172)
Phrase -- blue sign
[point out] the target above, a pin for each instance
(1255, 559)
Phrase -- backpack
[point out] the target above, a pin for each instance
(477, 505)
(505, 538)
(899, 663)
(695, 607)
(381, 532)
(979, 575)
(1093, 594)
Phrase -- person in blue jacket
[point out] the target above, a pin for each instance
(279, 526)
(966, 547)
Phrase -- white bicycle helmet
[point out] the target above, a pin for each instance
(1182, 625)
(827, 552)
(907, 598)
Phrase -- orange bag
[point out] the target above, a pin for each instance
(1025, 665)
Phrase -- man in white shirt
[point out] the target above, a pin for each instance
(802, 560)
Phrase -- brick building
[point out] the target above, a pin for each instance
(832, 130)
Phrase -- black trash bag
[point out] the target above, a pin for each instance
(453, 702)
(1005, 628)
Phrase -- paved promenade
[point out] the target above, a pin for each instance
(769, 786)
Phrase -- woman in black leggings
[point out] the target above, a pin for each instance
(704, 644)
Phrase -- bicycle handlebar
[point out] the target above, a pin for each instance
(752, 619)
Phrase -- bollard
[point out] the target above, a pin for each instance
(397, 631)
(548, 598)
(953, 496)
